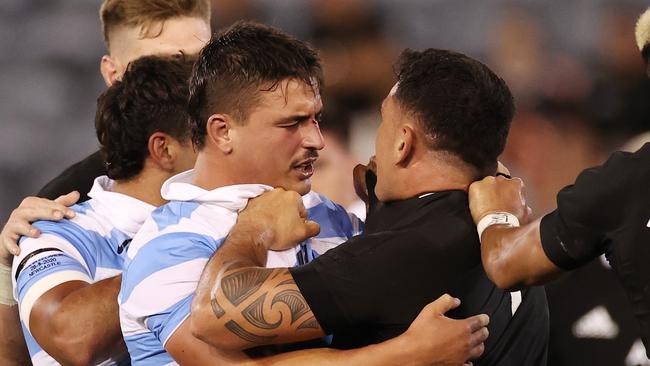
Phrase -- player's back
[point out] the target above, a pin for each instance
(371, 288)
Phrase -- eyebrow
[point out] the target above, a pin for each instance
(298, 117)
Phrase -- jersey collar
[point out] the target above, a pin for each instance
(126, 213)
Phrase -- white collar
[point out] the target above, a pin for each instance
(233, 197)
(126, 213)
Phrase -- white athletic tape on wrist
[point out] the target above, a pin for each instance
(6, 288)
(496, 218)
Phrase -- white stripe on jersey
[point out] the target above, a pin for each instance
(150, 299)
(42, 286)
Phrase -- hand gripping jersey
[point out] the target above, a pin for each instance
(167, 257)
(89, 247)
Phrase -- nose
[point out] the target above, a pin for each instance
(312, 137)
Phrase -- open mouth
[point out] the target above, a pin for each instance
(306, 168)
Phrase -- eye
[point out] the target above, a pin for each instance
(319, 117)
(289, 124)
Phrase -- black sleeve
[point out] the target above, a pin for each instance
(368, 278)
(578, 230)
(78, 177)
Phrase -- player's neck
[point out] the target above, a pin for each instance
(433, 174)
(144, 187)
(212, 172)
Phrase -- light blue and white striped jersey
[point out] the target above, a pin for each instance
(89, 248)
(167, 257)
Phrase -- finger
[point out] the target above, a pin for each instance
(477, 351)
(312, 228)
(479, 336)
(443, 304)
(478, 321)
(11, 244)
(18, 228)
(50, 212)
(302, 211)
(68, 200)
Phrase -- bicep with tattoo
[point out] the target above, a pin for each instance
(262, 306)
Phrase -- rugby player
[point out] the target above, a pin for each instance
(131, 29)
(443, 126)
(606, 211)
(255, 107)
(66, 281)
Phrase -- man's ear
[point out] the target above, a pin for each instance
(220, 132)
(109, 69)
(404, 144)
(161, 150)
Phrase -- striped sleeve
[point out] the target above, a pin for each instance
(61, 254)
(158, 285)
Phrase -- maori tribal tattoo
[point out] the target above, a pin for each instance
(261, 303)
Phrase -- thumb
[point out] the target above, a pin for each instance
(312, 228)
(443, 304)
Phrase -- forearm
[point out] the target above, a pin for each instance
(13, 350)
(513, 257)
(392, 352)
(84, 325)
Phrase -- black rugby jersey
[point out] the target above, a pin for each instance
(607, 210)
(78, 177)
(372, 287)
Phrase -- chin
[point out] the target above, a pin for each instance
(302, 187)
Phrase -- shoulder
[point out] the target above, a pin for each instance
(335, 221)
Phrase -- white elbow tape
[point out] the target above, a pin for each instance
(496, 218)
(6, 288)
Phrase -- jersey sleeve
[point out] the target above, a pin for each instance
(61, 254)
(588, 211)
(345, 286)
(159, 283)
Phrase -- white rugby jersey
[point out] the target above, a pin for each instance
(167, 257)
(89, 248)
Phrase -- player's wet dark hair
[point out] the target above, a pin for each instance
(151, 97)
(463, 106)
(237, 64)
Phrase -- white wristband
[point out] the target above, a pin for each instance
(496, 218)
(6, 288)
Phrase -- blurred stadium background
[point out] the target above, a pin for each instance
(573, 67)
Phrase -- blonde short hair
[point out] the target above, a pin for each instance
(147, 13)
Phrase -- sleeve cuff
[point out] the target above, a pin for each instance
(318, 297)
(555, 247)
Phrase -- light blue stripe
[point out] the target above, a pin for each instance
(146, 350)
(85, 241)
(52, 263)
(32, 346)
(165, 251)
(172, 213)
(332, 218)
(82, 208)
